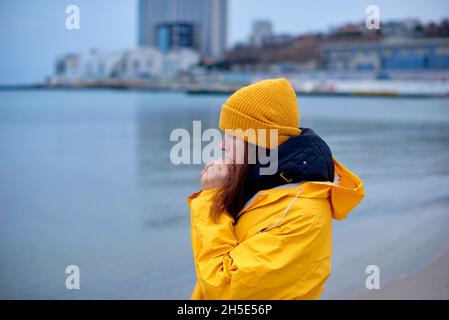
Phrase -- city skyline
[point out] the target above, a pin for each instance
(34, 34)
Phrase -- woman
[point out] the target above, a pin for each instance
(258, 236)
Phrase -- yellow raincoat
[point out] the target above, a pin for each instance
(291, 259)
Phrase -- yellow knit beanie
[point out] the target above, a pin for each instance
(268, 104)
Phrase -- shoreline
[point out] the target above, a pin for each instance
(428, 283)
(226, 92)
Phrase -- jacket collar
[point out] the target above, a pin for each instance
(344, 192)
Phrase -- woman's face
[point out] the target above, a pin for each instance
(234, 148)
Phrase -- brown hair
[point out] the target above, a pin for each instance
(231, 197)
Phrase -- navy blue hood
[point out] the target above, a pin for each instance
(305, 157)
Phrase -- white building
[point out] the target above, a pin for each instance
(68, 66)
(178, 61)
(100, 65)
(150, 62)
(141, 63)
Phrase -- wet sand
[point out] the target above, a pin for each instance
(432, 282)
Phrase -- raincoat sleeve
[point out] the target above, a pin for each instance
(268, 265)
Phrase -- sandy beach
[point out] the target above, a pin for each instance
(432, 282)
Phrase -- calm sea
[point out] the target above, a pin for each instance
(86, 180)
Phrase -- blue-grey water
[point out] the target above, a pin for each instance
(85, 179)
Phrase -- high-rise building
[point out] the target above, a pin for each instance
(175, 35)
(208, 19)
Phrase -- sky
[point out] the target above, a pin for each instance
(33, 33)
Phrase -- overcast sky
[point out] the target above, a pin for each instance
(33, 33)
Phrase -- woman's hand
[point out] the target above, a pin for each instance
(214, 174)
